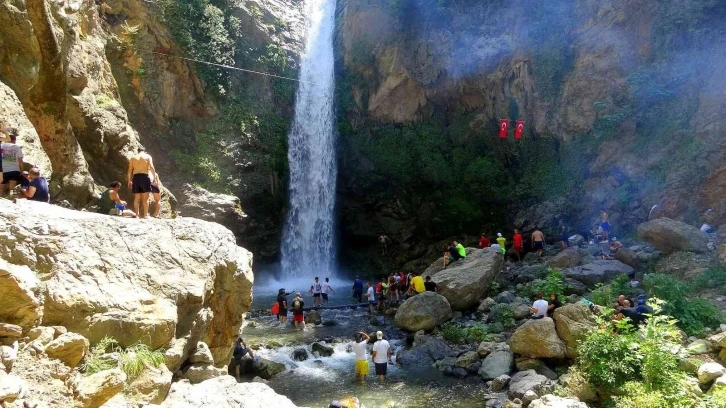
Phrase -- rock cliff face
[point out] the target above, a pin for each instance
(165, 283)
(623, 106)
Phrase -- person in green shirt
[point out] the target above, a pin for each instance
(460, 249)
(111, 204)
(502, 243)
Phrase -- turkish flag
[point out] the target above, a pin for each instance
(519, 129)
(503, 128)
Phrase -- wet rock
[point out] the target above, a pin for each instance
(670, 236)
(573, 321)
(459, 372)
(424, 352)
(567, 258)
(313, 317)
(538, 339)
(498, 362)
(300, 354)
(267, 368)
(467, 281)
(323, 350)
(423, 312)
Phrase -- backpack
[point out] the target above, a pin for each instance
(275, 309)
(296, 305)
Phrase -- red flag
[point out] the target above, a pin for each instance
(503, 128)
(519, 129)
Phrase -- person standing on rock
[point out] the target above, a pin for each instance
(141, 170)
(385, 241)
(156, 194)
(371, 296)
(358, 289)
(240, 351)
(326, 290)
(282, 303)
(564, 234)
(517, 247)
(502, 243)
(12, 162)
(539, 307)
(381, 356)
(361, 355)
(297, 311)
(316, 289)
(538, 241)
(605, 225)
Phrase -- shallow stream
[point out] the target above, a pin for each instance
(317, 381)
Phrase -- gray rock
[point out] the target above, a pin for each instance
(485, 347)
(423, 312)
(524, 381)
(567, 258)
(538, 339)
(267, 368)
(708, 372)
(323, 350)
(202, 355)
(459, 372)
(504, 297)
(425, 350)
(498, 362)
(551, 401)
(683, 265)
(466, 282)
(574, 287)
(199, 372)
(599, 271)
(223, 391)
(467, 359)
(547, 372)
(313, 317)
(521, 311)
(485, 305)
(628, 257)
(300, 354)
(446, 362)
(669, 236)
(528, 397)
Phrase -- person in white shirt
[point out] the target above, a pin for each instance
(361, 355)
(381, 356)
(12, 162)
(316, 289)
(539, 307)
(371, 296)
(326, 289)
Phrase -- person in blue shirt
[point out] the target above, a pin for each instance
(37, 187)
(358, 289)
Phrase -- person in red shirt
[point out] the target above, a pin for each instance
(517, 244)
(484, 241)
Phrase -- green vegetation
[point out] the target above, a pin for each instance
(694, 314)
(453, 333)
(637, 368)
(132, 360)
(476, 333)
(553, 282)
(605, 295)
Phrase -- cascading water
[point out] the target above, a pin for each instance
(307, 247)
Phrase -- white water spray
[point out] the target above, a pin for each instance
(307, 246)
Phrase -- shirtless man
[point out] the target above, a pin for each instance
(141, 169)
(538, 241)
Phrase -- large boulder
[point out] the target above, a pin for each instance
(144, 281)
(423, 312)
(69, 348)
(524, 381)
(538, 339)
(568, 258)
(199, 372)
(552, 401)
(267, 369)
(628, 257)
(708, 372)
(196, 202)
(149, 387)
(598, 271)
(94, 390)
(224, 392)
(497, 363)
(671, 236)
(467, 281)
(572, 322)
(683, 265)
(20, 291)
(424, 352)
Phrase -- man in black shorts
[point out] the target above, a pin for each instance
(12, 162)
(282, 304)
(381, 356)
(141, 169)
(316, 289)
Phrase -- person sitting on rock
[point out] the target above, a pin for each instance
(416, 286)
(643, 310)
(629, 312)
(297, 311)
(111, 204)
(240, 351)
(460, 249)
(37, 187)
(539, 307)
(430, 285)
(450, 255)
(554, 304)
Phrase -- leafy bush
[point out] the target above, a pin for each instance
(453, 333)
(553, 282)
(694, 314)
(605, 295)
(477, 332)
(607, 359)
(502, 313)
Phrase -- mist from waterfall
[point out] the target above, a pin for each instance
(308, 247)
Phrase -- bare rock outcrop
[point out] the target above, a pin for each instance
(465, 282)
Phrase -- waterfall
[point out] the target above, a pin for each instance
(308, 238)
